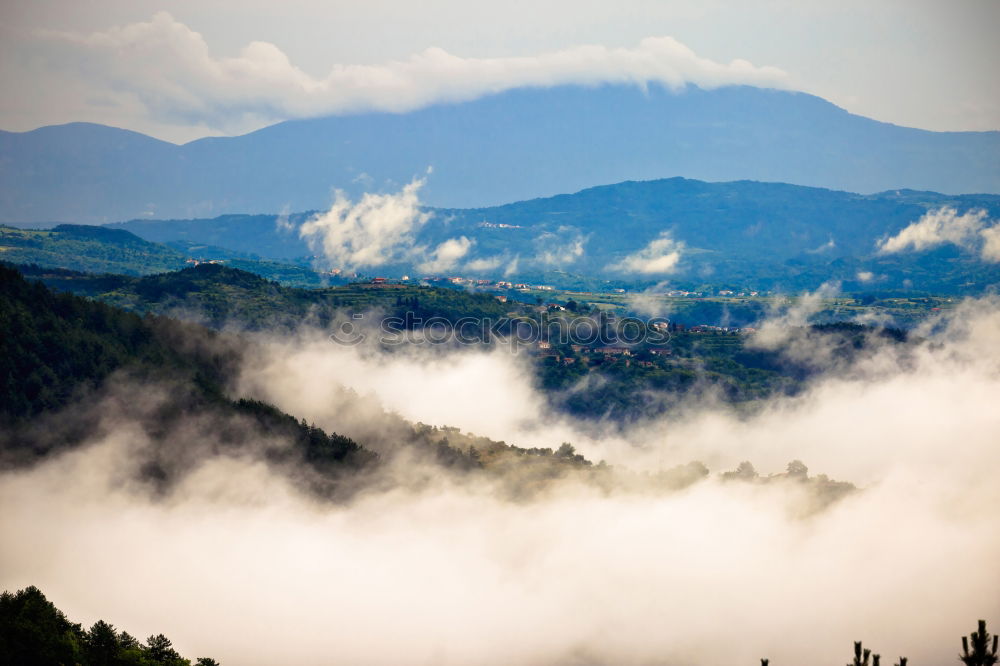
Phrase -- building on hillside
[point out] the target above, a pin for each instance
(614, 351)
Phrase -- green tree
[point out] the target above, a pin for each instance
(102, 644)
(33, 632)
(160, 650)
(982, 654)
(797, 470)
(861, 655)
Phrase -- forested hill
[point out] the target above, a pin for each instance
(217, 295)
(71, 367)
(60, 350)
(88, 248)
(739, 235)
(33, 632)
(113, 250)
(745, 234)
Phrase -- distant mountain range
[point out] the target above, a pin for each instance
(744, 233)
(511, 146)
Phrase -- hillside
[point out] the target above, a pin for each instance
(61, 351)
(745, 233)
(94, 249)
(218, 296)
(577, 379)
(505, 147)
(69, 365)
(87, 248)
(34, 632)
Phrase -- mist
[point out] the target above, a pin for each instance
(243, 563)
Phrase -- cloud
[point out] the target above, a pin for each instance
(865, 276)
(944, 225)
(828, 246)
(484, 264)
(559, 248)
(380, 230)
(447, 255)
(650, 302)
(991, 243)
(377, 230)
(786, 329)
(660, 257)
(169, 69)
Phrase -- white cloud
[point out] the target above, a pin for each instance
(169, 69)
(945, 225)
(560, 248)
(377, 230)
(991, 243)
(447, 255)
(828, 246)
(786, 328)
(865, 276)
(650, 302)
(484, 264)
(381, 229)
(659, 257)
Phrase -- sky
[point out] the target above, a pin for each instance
(183, 69)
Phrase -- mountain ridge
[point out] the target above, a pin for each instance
(743, 229)
(515, 145)
(738, 235)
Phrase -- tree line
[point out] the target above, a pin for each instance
(33, 632)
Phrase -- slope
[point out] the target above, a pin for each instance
(751, 234)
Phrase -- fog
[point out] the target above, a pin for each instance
(240, 563)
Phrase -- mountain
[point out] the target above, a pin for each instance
(766, 235)
(510, 146)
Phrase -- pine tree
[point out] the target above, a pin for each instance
(981, 654)
(160, 649)
(102, 645)
(860, 655)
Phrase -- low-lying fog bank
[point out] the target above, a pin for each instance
(240, 562)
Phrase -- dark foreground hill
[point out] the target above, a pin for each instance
(505, 147)
(73, 369)
(33, 632)
(69, 363)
